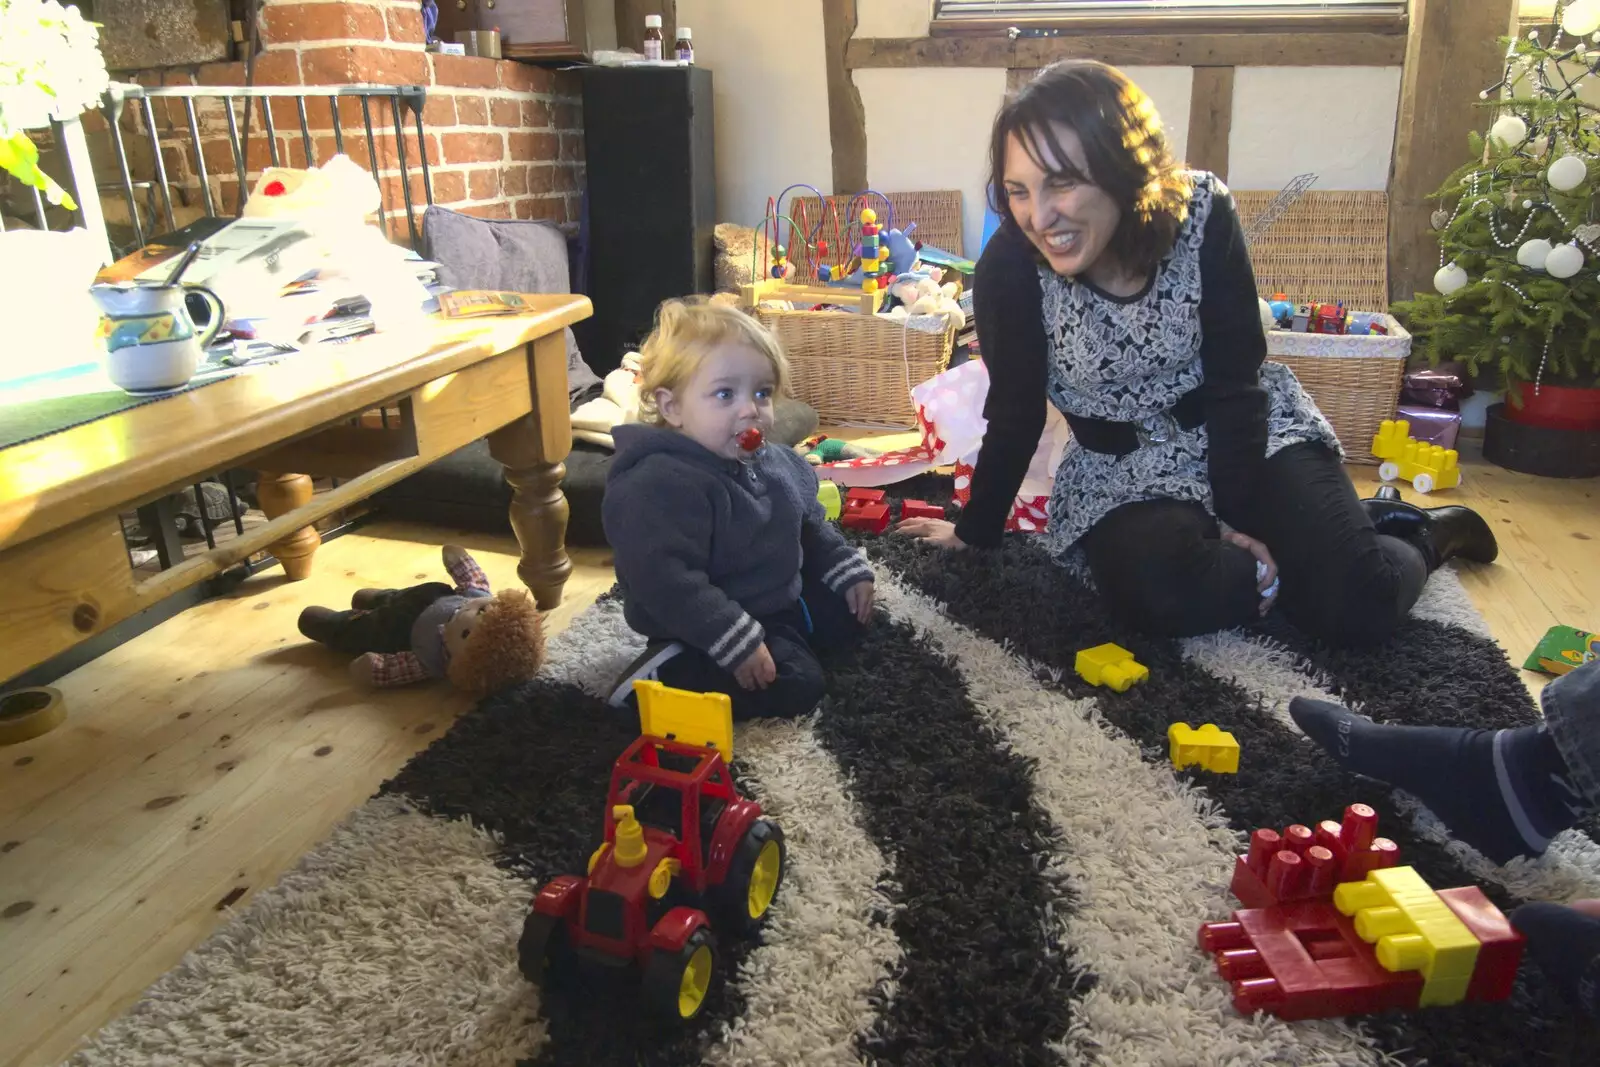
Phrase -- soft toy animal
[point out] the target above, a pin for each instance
(482, 642)
(820, 448)
(921, 294)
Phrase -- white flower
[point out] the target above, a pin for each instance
(50, 63)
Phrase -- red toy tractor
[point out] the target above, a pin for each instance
(680, 842)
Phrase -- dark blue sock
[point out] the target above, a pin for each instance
(1504, 792)
(1566, 945)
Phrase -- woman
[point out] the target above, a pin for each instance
(1119, 288)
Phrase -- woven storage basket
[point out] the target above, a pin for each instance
(1355, 380)
(858, 370)
(1329, 246)
(937, 215)
(1333, 246)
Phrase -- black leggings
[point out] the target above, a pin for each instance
(1162, 567)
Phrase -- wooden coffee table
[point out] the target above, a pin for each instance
(65, 570)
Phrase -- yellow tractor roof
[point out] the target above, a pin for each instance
(698, 719)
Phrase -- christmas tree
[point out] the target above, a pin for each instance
(1517, 286)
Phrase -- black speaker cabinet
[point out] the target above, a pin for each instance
(651, 202)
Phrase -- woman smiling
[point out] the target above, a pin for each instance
(1202, 484)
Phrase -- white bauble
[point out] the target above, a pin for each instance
(1567, 173)
(1448, 278)
(1533, 253)
(1564, 261)
(1581, 18)
(1268, 319)
(1508, 131)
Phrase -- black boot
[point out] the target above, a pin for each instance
(321, 624)
(1440, 534)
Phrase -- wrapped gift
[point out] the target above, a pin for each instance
(950, 415)
(1433, 425)
(1444, 386)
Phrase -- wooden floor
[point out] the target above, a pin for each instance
(203, 758)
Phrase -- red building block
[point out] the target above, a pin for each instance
(1305, 864)
(920, 509)
(1304, 961)
(1500, 946)
(860, 498)
(874, 518)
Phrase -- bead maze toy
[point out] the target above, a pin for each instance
(681, 845)
(879, 251)
(1426, 466)
(1332, 926)
(1209, 747)
(1111, 666)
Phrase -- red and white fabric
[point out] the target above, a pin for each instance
(950, 417)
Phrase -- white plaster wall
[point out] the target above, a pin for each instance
(771, 98)
(600, 19)
(1277, 115)
(893, 18)
(906, 153)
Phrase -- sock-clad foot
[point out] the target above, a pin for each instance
(1566, 944)
(1504, 792)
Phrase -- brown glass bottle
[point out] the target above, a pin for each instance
(652, 37)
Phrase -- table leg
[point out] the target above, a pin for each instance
(532, 450)
(280, 494)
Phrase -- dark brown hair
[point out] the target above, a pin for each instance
(1123, 144)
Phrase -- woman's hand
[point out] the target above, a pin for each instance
(757, 671)
(1268, 569)
(940, 532)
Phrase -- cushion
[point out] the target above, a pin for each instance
(467, 489)
(510, 255)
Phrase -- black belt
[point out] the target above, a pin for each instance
(1123, 438)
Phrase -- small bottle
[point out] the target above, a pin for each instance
(652, 37)
(684, 49)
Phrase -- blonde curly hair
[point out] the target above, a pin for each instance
(506, 646)
(686, 331)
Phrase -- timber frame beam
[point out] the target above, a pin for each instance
(1452, 50)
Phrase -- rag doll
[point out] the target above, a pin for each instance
(481, 641)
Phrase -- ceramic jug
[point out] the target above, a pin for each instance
(150, 337)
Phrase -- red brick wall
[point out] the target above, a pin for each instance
(503, 139)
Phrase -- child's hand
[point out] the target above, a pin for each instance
(757, 671)
(859, 600)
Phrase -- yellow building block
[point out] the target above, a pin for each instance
(1412, 929)
(688, 718)
(828, 497)
(1110, 665)
(1426, 466)
(1212, 748)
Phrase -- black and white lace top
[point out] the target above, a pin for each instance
(1196, 325)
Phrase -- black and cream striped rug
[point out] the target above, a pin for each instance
(990, 862)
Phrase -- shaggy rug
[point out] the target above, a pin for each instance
(990, 862)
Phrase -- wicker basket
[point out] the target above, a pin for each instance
(858, 370)
(937, 215)
(1332, 246)
(1354, 380)
(1328, 246)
